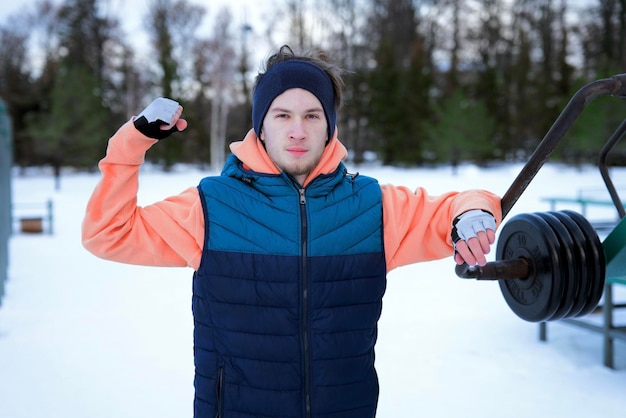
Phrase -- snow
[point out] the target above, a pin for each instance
(83, 337)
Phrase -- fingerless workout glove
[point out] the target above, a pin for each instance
(470, 223)
(158, 113)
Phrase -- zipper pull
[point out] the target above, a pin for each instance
(302, 198)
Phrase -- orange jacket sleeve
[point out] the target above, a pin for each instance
(417, 226)
(167, 233)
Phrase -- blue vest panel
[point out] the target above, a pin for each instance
(287, 296)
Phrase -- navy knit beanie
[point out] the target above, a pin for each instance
(288, 75)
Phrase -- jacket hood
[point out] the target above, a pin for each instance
(251, 152)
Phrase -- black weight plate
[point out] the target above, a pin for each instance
(584, 275)
(569, 272)
(537, 297)
(596, 262)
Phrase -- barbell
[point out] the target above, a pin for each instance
(551, 265)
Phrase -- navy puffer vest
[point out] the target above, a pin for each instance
(287, 296)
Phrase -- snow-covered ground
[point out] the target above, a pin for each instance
(82, 337)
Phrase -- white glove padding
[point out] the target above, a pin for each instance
(158, 113)
(470, 223)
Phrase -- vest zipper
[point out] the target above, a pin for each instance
(305, 303)
(220, 392)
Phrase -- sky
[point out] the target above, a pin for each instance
(254, 13)
(83, 337)
(128, 9)
(131, 12)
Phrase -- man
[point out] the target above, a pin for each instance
(290, 251)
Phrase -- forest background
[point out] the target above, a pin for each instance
(427, 81)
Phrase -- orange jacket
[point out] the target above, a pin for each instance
(417, 226)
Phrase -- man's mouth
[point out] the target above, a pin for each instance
(297, 151)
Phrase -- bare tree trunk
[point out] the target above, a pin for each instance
(219, 117)
(215, 133)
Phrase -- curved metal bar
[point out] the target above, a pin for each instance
(614, 86)
(604, 168)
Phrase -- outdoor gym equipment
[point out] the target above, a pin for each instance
(552, 265)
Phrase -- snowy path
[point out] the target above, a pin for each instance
(81, 337)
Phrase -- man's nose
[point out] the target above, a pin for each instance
(296, 130)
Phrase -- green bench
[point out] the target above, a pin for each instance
(33, 217)
(614, 246)
(615, 252)
(584, 203)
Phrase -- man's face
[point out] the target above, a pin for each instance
(295, 132)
